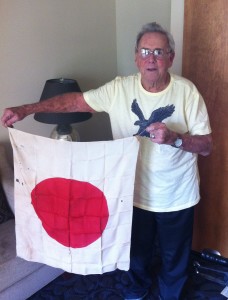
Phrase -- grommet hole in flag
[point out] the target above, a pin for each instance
(73, 202)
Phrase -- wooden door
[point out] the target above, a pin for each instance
(205, 62)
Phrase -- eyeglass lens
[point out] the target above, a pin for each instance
(157, 53)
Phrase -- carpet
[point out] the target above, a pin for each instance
(109, 286)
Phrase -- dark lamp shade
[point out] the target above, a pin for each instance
(54, 87)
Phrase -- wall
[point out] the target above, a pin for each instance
(44, 39)
(130, 16)
(91, 41)
(177, 28)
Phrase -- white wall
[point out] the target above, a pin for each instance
(177, 28)
(46, 39)
(130, 16)
(91, 41)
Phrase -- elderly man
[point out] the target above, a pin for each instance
(169, 116)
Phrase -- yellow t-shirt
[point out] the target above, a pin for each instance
(166, 177)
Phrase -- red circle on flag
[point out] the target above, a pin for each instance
(72, 212)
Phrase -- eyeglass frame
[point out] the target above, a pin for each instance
(152, 52)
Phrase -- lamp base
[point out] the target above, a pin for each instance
(65, 132)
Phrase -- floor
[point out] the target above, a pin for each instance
(109, 286)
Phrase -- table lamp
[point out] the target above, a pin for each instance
(63, 130)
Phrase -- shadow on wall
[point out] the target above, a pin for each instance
(98, 128)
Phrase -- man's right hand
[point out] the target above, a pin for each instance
(12, 115)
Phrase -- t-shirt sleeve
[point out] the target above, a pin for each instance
(197, 116)
(102, 98)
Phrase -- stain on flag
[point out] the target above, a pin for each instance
(74, 202)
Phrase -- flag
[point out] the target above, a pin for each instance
(74, 202)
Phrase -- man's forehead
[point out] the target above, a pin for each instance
(156, 39)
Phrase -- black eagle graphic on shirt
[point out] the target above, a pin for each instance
(158, 115)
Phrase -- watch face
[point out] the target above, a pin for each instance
(178, 142)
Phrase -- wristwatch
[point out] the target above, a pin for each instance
(178, 143)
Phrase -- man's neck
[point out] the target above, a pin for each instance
(157, 86)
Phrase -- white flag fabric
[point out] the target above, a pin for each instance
(74, 202)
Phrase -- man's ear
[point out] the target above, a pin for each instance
(135, 56)
(171, 59)
(136, 60)
(172, 55)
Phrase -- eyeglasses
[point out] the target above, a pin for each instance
(158, 53)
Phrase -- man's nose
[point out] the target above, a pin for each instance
(152, 58)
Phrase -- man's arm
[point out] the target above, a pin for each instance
(200, 144)
(69, 102)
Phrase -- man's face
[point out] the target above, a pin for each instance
(152, 69)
